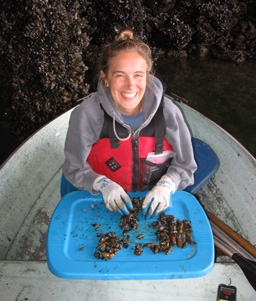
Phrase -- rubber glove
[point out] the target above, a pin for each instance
(114, 196)
(159, 197)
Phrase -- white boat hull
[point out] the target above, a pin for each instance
(33, 280)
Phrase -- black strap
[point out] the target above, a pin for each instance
(108, 131)
(159, 125)
(114, 142)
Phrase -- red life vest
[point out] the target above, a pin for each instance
(124, 162)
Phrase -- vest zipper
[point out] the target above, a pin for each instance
(135, 164)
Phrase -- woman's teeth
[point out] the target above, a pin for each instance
(129, 95)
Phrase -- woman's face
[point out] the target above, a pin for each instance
(126, 78)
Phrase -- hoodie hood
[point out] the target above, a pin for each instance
(151, 101)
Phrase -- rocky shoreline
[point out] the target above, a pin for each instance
(49, 49)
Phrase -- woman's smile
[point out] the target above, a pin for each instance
(129, 95)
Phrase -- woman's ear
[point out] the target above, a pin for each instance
(104, 78)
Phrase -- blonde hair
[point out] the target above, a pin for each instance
(124, 35)
(125, 42)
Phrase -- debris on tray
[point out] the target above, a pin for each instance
(140, 236)
(95, 225)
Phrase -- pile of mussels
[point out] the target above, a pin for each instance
(170, 233)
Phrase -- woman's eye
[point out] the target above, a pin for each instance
(139, 75)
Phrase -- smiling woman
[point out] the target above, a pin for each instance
(126, 78)
(116, 135)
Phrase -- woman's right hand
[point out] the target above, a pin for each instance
(114, 196)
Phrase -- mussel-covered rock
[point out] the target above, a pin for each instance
(50, 49)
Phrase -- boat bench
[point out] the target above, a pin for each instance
(206, 159)
(207, 164)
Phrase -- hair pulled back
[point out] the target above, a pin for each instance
(125, 42)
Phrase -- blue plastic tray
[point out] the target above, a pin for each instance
(71, 229)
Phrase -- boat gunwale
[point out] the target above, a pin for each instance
(168, 96)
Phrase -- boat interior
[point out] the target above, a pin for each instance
(31, 177)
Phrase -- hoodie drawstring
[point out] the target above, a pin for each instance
(114, 129)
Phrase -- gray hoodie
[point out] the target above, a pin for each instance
(87, 120)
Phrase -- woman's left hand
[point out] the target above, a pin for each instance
(159, 197)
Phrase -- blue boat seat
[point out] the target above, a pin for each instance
(207, 164)
(66, 187)
(206, 159)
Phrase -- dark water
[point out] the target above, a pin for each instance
(225, 92)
